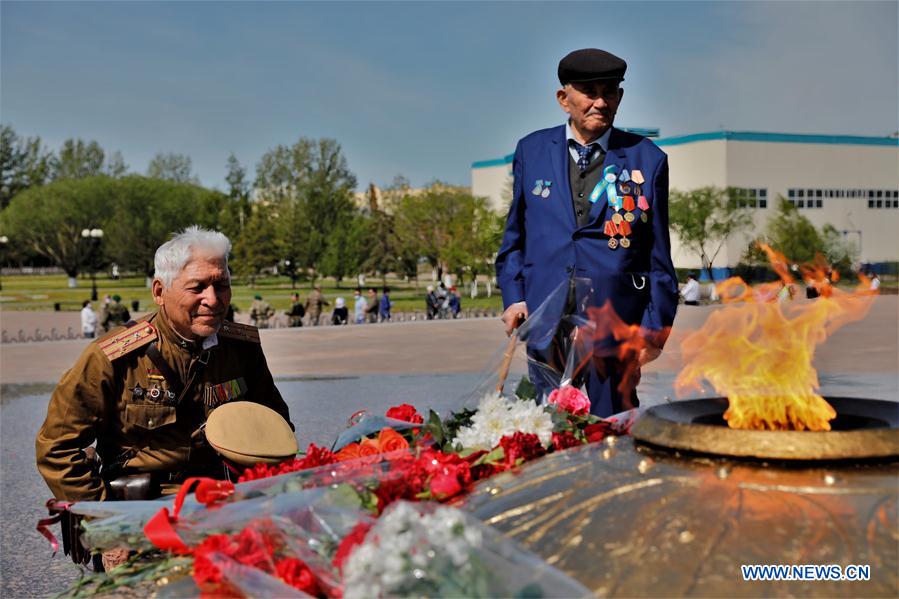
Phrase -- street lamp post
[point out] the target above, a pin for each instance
(93, 237)
(3, 241)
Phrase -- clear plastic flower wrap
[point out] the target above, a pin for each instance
(432, 550)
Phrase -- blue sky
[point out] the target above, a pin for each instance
(424, 89)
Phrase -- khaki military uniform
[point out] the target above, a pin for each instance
(115, 394)
(116, 315)
(260, 312)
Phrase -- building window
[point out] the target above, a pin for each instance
(751, 197)
(814, 198)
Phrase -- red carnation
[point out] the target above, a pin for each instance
(564, 440)
(405, 412)
(317, 456)
(598, 431)
(297, 574)
(524, 446)
(204, 570)
(349, 542)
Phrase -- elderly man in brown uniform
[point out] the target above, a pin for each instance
(144, 391)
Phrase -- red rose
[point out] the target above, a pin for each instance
(564, 440)
(405, 412)
(297, 574)
(349, 542)
(444, 486)
(255, 549)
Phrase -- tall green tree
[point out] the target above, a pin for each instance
(48, 220)
(348, 247)
(24, 163)
(792, 234)
(146, 212)
(310, 188)
(256, 248)
(172, 167)
(237, 209)
(78, 159)
(115, 165)
(450, 228)
(705, 218)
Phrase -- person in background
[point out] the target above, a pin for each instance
(341, 314)
(875, 281)
(455, 302)
(386, 304)
(431, 303)
(315, 303)
(297, 311)
(372, 306)
(260, 312)
(116, 315)
(691, 290)
(359, 306)
(89, 320)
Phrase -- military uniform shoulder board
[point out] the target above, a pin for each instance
(127, 340)
(241, 332)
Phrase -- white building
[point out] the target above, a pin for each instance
(850, 182)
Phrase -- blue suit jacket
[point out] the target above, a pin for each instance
(543, 246)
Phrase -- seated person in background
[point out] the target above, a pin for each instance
(691, 291)
(143, 393)
(341, 314)
(455, 302)
(373, 306)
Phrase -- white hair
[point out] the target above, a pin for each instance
(174, 254)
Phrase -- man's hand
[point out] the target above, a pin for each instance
(648, 354)
(514, 316)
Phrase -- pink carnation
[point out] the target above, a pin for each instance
(570, 400)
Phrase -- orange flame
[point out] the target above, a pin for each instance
(758, 349)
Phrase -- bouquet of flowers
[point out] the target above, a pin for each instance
(427, 550)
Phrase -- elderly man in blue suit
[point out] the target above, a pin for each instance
(591, 202)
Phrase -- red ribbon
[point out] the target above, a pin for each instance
(56, 508)
(160, 530)
(628, 203)
(624, 228)
(642, 204)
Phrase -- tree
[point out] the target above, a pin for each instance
(237, 209)
(48, 220)
(256, 248)
(792, 234)
(172, 167)
(310, 188)
(347, 248)
(24, 163)
(705, 218)
(77, 160)
(115, 165)
(453, 230)
(146, 212)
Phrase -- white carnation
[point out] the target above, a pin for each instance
(497, 417)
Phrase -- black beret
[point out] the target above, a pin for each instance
(591, 64)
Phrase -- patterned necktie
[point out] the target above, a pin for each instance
(583, 154)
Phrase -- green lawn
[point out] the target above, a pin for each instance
(41, 292)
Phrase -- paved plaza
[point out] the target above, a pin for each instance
(327, 373)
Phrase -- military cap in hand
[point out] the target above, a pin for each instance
(591, 64)
(248, 433)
